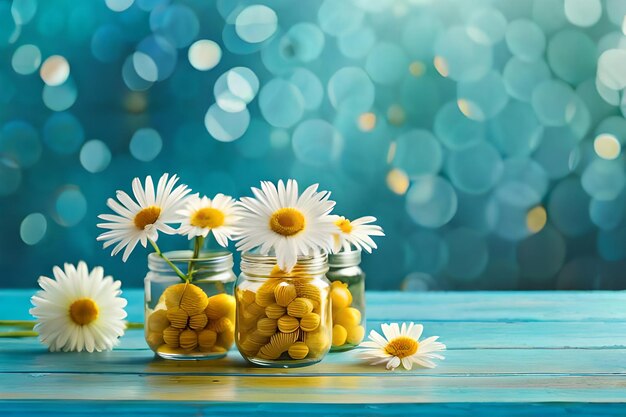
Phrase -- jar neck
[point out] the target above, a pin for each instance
(265, 266)
(207, 264)
(344, 259)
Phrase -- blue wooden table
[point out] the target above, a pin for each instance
(521, 354)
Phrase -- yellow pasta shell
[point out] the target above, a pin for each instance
(157, 322)
(268, 352)
(275, 311)
(288, 324)
(257, 338)
(246, 296)
(307, 290)
(198, 321)
(279, 343)
(226, 339)
(206, 339)
(265, 293)
(298, 350)
(171, 336)
(188, 297)
(347, 317)
(221, 305)
(300, 307)
(266, 326)
(177, 317)
(355, 335)
(284, 293)
(188, 339)
(310, 322)
(254, 310)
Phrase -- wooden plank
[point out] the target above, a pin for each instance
(396, 388)
(199, 408)
(430, 306)
(470, 335)
(458, 363)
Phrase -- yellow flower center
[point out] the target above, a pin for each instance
(402, 347)
(83, 311)
(207, 218)
(147, 216)
(344, 225)
(287, 221)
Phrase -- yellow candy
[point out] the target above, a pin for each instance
(177, 317)
(157, 322)
(267, 326)
(341, 297)
(221, 305)
(206, 339)
(274, 311)
(171, 336)
(298, 350)
(310, 322)
(339, 335)
(288, 324)
(188, 297)
(198, 321)
(355, 335)
(284, 293)
(347, 317)
(300, 307)
(317, 342)
(221, 325)
(155, 339)
(188, 340)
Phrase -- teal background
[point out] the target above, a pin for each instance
(450, 121)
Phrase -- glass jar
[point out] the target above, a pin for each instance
(190, 320)
(283, 319)
(348, 299)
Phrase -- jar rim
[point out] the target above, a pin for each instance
(259, 265)
(344, 259)
(207, 261)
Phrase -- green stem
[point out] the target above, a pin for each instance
(18, 323)
(174, 267)
(31, 333)
(19, 333)
(197, 246)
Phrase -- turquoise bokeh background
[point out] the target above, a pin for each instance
(486, 136)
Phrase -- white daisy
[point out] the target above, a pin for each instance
(356, 232)
(80, 310)
(143, 219)
(402, 346)
(202, 216)
(288, 224)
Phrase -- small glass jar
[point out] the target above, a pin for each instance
(348, 299)
(283, 319)
(190, 320)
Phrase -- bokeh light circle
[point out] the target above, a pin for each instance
(305, 41)
(107, 43)
(204, 54)
(572, 56)
(357, 43)
(476, 169)
(60, 97)
(20, 142)
(541, 255)
(225, 126)
(95, 156)
(310, 87)
(554, 102)
(516, 130)
(568, 208)
(483, 98)
(426, 252)
(611, 66)
(256, 23)
(281, 103)
(386, 63)
(63, 133)
(607, 146)
(55, 70)
(316, 142)
(70, 206)
(351, 88)
(607, 214)
(338, 18)
(462, 57)
(612, 244)
(455, 130)
(604, 179)
(26, 59)
(146, 144)
(177, 23)
(583, 13)
(525, 40)
(10, 176)
(119, 5)
(521, 77)
(418, 153)
(486, 26)
(33, 228)
(431, 201)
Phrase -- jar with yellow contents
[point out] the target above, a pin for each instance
(192, 319)
(348, 299)
(283, 319)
